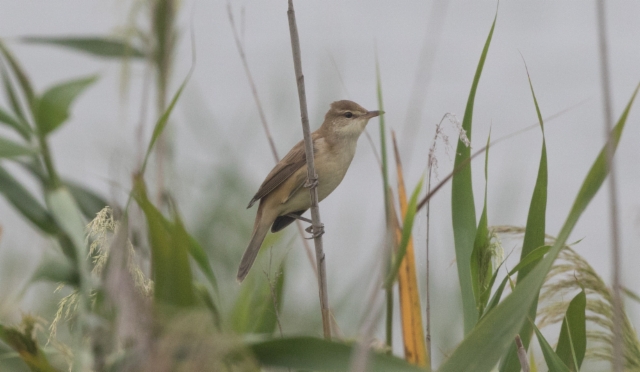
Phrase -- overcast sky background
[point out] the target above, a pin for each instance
(216, 121)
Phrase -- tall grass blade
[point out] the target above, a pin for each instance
(481, 268)
(108, 47)
(552, 359)
(463, 212)
(572, 343)
(482, 348)
(386, 190)
(533, 237)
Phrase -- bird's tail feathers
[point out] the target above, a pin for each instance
(259, 233)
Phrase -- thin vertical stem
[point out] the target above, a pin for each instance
(618, 351)
(428, 295)
(312, 177)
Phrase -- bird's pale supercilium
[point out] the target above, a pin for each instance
(282, 192)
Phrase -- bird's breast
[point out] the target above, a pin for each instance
(332, 163)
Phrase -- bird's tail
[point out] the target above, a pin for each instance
(260, 230)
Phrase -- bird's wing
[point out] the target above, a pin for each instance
(292, 162)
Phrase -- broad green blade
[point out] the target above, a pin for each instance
(463, 212)
(10, 149)
(481, 275)
(552, 359)
(314, 354)
(533, 238)
(572, 343)
(108, 47)
(407, 228)
(483, 347)
(26, 204)
(170, 267)
(14, 123)
(53, 106)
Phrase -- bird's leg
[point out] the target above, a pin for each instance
(311, 182)
(293, 215)
(309, 229)
(313, 232)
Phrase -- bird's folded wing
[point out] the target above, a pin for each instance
(292, 162)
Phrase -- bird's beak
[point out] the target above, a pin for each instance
(373, 114)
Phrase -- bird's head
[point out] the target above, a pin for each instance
(347, 118)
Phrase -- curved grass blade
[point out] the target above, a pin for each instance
(572, 343)
(552, 359)
(10, 149)
(482, 348)
(108, 47)
(533, 237)
(463, 212)
(53, 106)
(314, 354)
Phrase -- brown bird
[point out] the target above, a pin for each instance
(282, 194)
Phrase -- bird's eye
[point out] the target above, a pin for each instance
(348, 115)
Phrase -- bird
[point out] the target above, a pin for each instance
(283, 197)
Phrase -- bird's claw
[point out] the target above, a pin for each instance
(311, 183)
(313, 232)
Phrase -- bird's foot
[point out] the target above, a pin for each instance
(311, 182)
(315, 233)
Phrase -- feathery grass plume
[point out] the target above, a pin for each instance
(569, 274)
(100, 231)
